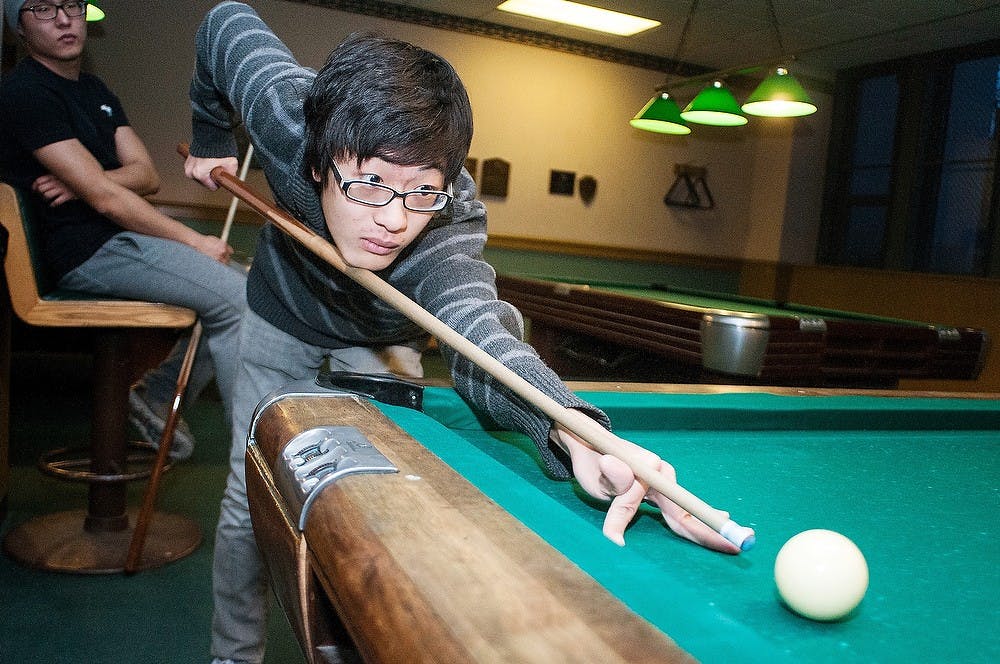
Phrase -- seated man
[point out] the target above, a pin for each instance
(65, 141)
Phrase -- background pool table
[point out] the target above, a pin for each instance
(912, 479)
(620, 332)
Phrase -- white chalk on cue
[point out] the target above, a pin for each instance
(741, 536)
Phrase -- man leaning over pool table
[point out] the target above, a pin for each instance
(382, 120)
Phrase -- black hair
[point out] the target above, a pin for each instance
(385, 98)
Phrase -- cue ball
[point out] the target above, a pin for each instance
(821, 574)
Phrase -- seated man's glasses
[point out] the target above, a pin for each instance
(379, 195)
(47, 12)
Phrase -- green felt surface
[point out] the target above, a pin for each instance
(912, 481)
(746, 304)
(558, 266)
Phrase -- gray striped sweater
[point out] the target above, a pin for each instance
(243, 72)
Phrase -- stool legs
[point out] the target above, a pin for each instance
(96, 540)
(106, 510)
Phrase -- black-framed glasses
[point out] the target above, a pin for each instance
(379, 195)
(47, 12)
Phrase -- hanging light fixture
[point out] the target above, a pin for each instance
(779, 96)
(661, 115)
(94, 13)
(715, 105)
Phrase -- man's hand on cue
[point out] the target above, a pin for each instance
(607, 477)
(200, 168)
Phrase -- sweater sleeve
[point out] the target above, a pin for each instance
(461, 292)
(241, 68)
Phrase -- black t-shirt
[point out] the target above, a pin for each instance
(37, 108)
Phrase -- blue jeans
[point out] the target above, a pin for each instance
(268, 359)
(142, 267)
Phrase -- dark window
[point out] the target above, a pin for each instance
(871, 171)
(912, 177)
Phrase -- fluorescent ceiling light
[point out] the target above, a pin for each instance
(582, 16)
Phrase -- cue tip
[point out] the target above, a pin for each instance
(741, 536)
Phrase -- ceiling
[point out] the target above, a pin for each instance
(824, 35)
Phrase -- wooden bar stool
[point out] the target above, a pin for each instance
(94, 540)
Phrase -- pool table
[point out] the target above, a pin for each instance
(620, 332)
(455, 547)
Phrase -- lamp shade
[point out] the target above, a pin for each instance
(779, 96)
(661, 115)
(94, 13)
(715, 105)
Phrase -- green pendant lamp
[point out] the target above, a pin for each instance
(661, 115)
(779, 96)
(94, 13)
(715, 105)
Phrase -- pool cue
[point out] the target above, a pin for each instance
(575, 421)
(134, 556)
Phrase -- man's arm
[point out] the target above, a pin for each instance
(79, 172)
(137, 172)
(244, 74)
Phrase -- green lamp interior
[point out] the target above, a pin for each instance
(779, 96)
(715, 105)
(661, 115)
(94, 13)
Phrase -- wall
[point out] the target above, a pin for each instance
(535, 108)
(543, 110)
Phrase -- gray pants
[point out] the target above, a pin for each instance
(268, 359)
(141, 267)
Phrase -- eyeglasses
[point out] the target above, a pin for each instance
(380, 195)
(47, 12)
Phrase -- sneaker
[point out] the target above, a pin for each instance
(149, 421)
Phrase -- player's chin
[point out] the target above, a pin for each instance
(367, 260)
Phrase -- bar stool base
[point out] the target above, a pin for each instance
(59, 543)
